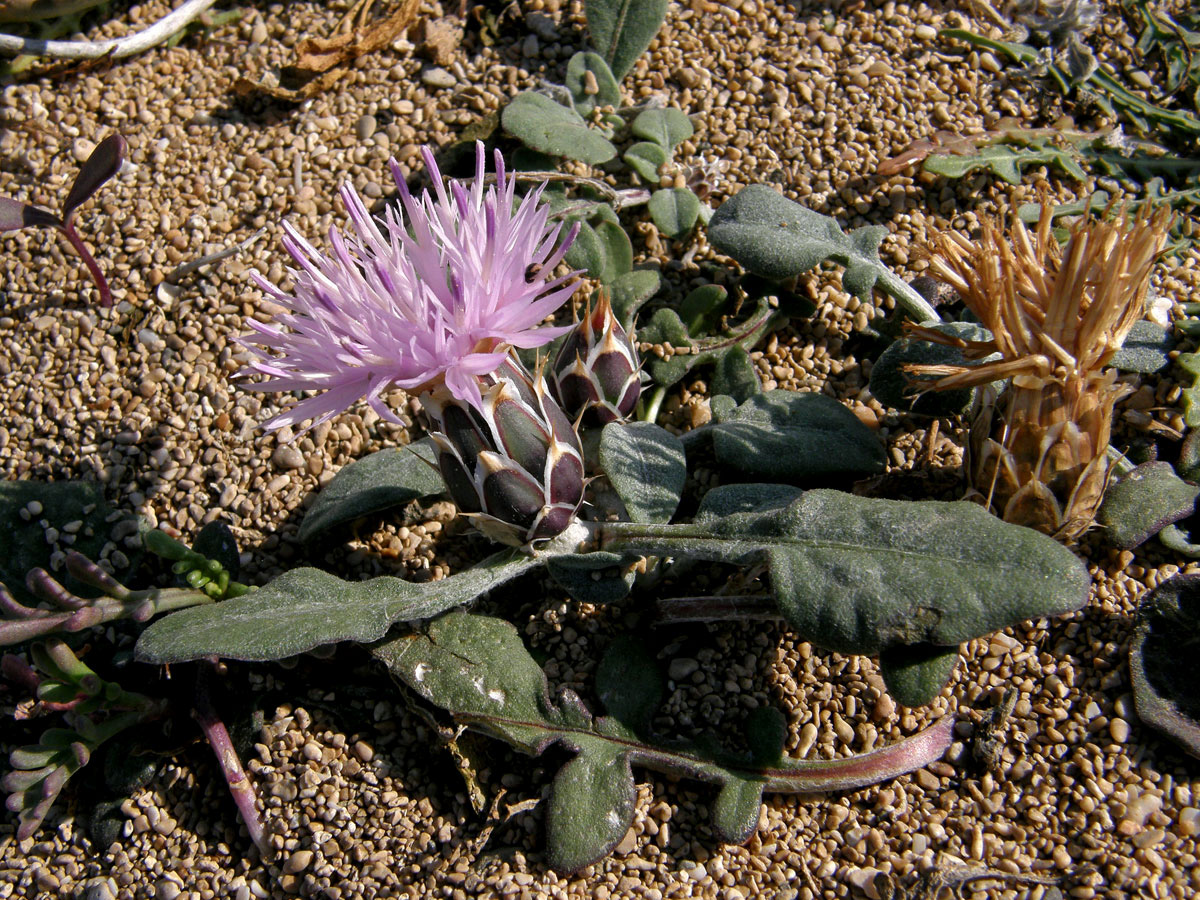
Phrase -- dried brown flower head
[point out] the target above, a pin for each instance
(1057, 315)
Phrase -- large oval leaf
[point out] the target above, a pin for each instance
(777, 238)
(307, 608)
(621, 30)
(859, 575)
(607, 92)
(548, 127)
(385, 480)
(646, 466)
(792, 437)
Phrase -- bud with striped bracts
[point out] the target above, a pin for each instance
(596, 370)
(514, 463)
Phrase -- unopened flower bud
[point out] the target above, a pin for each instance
(514, 464)
(596, 370)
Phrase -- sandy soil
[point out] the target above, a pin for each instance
(810, 97)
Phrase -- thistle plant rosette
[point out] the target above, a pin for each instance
(1057, 316)
(433, 294)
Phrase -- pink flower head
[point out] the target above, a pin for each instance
(432, 294)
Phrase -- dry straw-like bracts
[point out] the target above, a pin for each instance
(1057, 315)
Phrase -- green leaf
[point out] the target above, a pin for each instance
(777, 238)
(629, 293)
(477, 669)
(618, 251)
(1146, 349)
(793, 437)
(621, 30)
(646, 466)
(602, 249)
(916, 673)
(859, 575)
(23, 544)
(596, 578)
(608, 93)
(735, 376)
(691, 350)
(307, 608)
(383, 481)
(548, 127)
(1144, 502)
(216, 542)
(702, 308)
(894, 387)
(666, 127)
(1004, 161)
(629, 682)
(645, 158)
(1162, 660)
(674, 211)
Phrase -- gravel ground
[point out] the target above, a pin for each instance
(1082, 799)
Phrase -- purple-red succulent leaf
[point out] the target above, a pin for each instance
(103, 164)
(509, 494)
(565, 477)
(14, 214)
(524, 438)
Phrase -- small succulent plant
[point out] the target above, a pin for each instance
(103, 163)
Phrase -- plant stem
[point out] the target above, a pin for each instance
(68, 228)
(652, 406)
(130, 45)
(239, 783)
(734, 607)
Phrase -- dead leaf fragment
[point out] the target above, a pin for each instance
(320, 62)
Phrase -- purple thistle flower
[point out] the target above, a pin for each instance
(434, 293)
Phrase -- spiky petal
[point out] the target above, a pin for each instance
(433, 294)
(1057, 317)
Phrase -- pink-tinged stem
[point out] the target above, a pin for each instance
(851, 772)
(239, 782)
(68, 228)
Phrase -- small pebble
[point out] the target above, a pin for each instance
(297, 862)
(437, 77)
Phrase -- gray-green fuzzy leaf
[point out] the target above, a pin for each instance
(629, 293)
(1005, 161)
(1144, 502)
(621, 30)
(645, 158)
(859, 575)
(735, 376)
(666, 127)
(793, 437)
(777, 238)
(385, 480)
(596, 577)
(608, 93)
(478, 669)
(548, 127)
(674, 211)
(916, 674)
(646, 466)
(1146, 350)
(894, 387)
(666, 328)
(307, 608)
(1162, 661)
